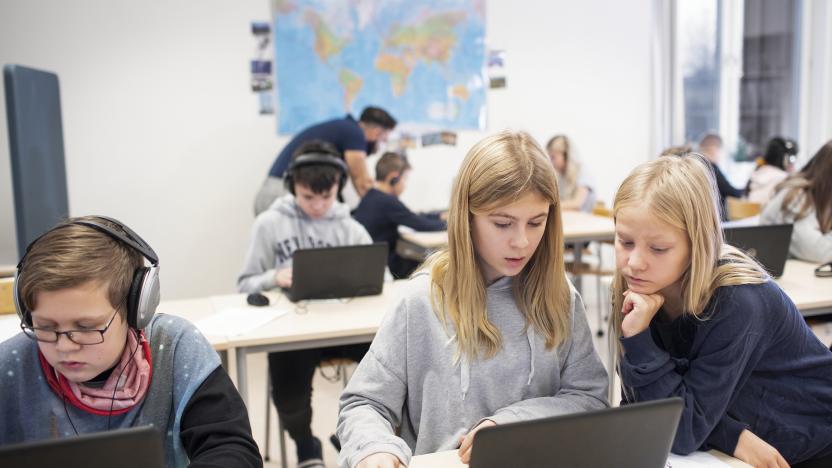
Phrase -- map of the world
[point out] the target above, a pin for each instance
(421, 60)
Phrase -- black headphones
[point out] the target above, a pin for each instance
(395, 180)
(315, 159)
(143, 296)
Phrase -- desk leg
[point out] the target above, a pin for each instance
(223, 359)
(578, 278)
(242, 377)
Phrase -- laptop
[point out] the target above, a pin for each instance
(338, 272)
(137, 447)
(768, 244)
(638, 435)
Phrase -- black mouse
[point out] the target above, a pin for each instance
(257, 299)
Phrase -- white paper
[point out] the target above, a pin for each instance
(9, 327)
(238, 320)
(694, 460)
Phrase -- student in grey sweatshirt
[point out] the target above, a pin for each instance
(490, 332)
(805, 199)
(309, 216)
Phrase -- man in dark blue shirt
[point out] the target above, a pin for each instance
(381, 212)
(354, 140)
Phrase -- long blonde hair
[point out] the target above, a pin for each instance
(680, 191)
(497, 171)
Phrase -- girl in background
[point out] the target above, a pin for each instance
(574, 184)
(805, 199)
(776, 165)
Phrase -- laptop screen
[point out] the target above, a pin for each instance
(338, 272)
(639, 435)
(768, 244)
(138, 447)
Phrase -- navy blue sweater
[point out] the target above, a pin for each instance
(382, 213)
(752, 363)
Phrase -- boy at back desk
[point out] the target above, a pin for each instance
(381, 211)
(309, 216)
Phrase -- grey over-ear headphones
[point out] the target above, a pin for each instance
(315, 159)
(143, 296)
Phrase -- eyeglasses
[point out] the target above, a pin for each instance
(824, 271)
(81, 337)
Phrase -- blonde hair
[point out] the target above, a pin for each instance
(71, 255)
(497, 171)
(680, 191)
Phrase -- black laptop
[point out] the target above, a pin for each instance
(768, 244)
(138, 447)
(338, 272)
(639, 435)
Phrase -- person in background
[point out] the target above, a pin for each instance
(576, 192)
(309, 216)
(805, 199)
(353, 139)
(710, 146)
(776, 165)
(381, 212)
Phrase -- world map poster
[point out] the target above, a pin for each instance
(421, 60)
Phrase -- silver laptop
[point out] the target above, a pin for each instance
(638, 435)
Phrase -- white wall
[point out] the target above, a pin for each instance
(161, 131)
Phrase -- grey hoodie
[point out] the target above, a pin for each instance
(284, 228)
(808, 243)
(411, 380)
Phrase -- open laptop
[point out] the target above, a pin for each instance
(633, 436)
(337, 272)
(138, 447)
(768, 244)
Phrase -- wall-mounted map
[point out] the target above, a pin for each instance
(422, 60)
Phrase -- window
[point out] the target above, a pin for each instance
(738, 64)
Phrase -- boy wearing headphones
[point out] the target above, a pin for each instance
(308, 216)
(93, 356)
(381, 211)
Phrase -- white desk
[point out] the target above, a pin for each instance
(319, 324)
(578, 228)
(449, 459)
(812, 295)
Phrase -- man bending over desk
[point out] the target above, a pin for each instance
(307, 217)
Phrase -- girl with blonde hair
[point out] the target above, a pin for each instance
(489, 332)
(700, 320)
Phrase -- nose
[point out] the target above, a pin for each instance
(64, 344)
(520, 239)
(635, 261)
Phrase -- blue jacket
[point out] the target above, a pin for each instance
(751, 363)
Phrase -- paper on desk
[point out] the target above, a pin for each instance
(694, 460)
(237, 321)
(9, 327)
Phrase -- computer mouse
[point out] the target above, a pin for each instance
(257, 299)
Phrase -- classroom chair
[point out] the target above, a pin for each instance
(341, 373)
(741, 209)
